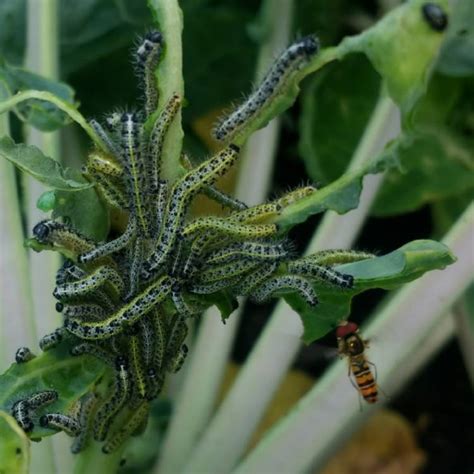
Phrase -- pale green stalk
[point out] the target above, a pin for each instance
(274, 352)
(169, 17)
(210, 353)
(94, 461)
(51, 455)
(406, 333)
(16, 311)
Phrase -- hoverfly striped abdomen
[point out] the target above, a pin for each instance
(351, 345)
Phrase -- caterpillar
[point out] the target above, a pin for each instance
(120, 395)
(110, 192)
(215, 194)
(257, 214)
(286, 283)
(111, 246)
(178, 331)
(107, 143)
(104, 165)
(215, 286)
(95, 351)
(337, 257)
(160, 206)
(228, 270)
(147, 339)
(61, 236)
(88, 404)
(61, 422)
(23, 355)
(136, 365)
(22, 417)
(296, 195)
(104, 275)
(224, 199)
(181, 193)
(157, 138)
(290, 61)
(147, 57)
(126, 315)
(134, 169)
(50, 341)
(85, 311)
(255, 278)
(232, 229)
(137, 418)
(307, 268)
(136, 259)
(159, 348)
(40, 399)
(248, 250)
(177, 362)
(155, 381)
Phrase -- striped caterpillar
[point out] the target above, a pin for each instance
(289, 62)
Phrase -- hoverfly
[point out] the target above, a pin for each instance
(351, 345)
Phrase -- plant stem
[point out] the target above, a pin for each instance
(66, 107)
(16, 308)
(42, 53)
(275, 350)
(407, 332)
(93, 461)
(206, 367)
(169, 18)
(42, 58)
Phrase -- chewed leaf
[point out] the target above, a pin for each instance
(388, 271)
(43, 168)
(14, 446)
(390, 47)
(85, 211)
(340, 196)
(337, 103)
(42, 115)
(70, 376)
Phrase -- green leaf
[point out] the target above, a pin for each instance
(40, 114)
(336, 107)
(169, 75)
(85, 212)
(93, 29)
(340, 196)
(446, 212)
(12, 32)
(41, 167)
(14, 447)
(388, 271)
(434, 166)
(218, 57)
(437, 157)
(457, 53)
(46, 201)
(389, 44)
(70, 376)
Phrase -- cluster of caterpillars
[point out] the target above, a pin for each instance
(127, 301)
